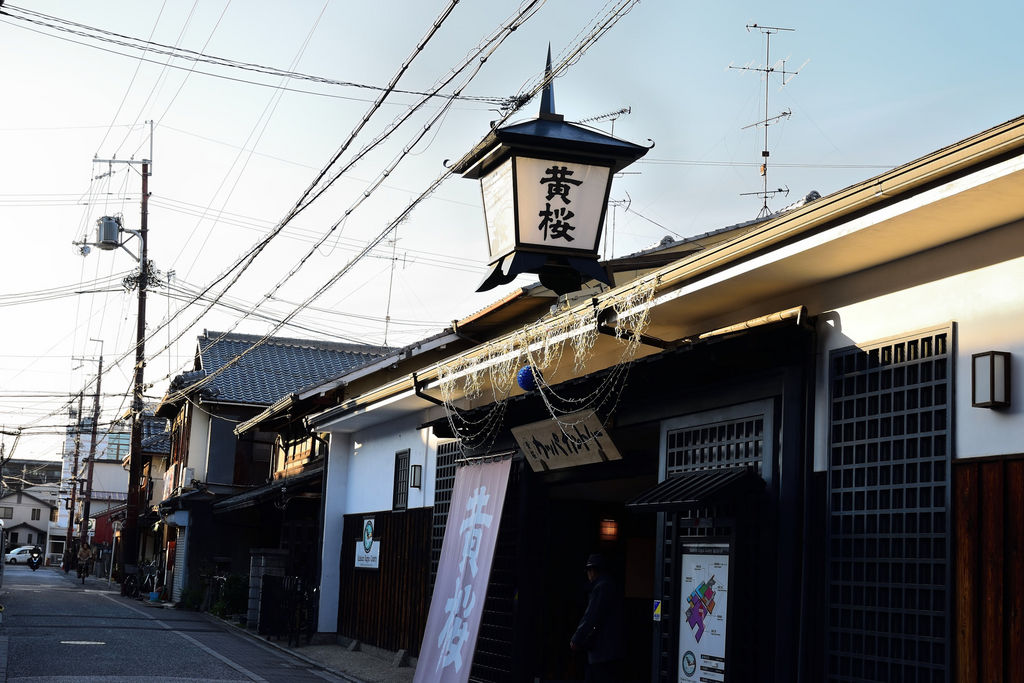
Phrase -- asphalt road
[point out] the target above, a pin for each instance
(54, 629)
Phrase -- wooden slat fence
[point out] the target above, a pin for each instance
(387, 607)
(988, 504)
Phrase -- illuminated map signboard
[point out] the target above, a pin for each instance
(702, 621)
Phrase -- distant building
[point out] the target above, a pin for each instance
(109, 478)
(26, 515)
(208, 462)
(17, 474)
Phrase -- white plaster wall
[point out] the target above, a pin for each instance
(198, 444)
(361, 479)
(987, 306)
(334, 510)
(109, 477)
(372, 464)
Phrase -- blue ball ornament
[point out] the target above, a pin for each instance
(527, 377)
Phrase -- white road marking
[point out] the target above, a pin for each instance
(237, 667)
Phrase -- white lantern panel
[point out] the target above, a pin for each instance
(499, 210)
(560, 203)
(982, 379)
(999, 371)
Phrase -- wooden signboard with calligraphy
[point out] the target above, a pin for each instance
(576, 439)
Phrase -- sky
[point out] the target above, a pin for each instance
(233, 149)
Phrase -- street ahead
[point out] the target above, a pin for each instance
(56, 629)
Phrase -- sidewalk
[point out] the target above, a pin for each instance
(367, 664)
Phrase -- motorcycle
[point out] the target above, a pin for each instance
(35, 559)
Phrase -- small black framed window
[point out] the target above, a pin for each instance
(401, 499)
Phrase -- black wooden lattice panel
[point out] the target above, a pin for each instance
(494, 657)
(888, 523)
(444, 482)
(723, 444)
(401, 498)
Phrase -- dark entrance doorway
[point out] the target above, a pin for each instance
(589, 517)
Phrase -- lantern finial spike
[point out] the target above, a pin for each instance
(547, 97)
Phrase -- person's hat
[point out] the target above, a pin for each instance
(595, 561)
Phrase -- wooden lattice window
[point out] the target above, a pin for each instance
(888, 525)
(728, 443)
(444, 482)
(401, 499)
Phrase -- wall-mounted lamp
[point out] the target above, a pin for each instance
(990, 379)
(356, 445)
(416, 476)
(609, 530)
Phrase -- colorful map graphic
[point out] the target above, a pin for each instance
(702, 603)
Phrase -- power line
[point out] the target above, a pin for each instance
(602, 27)
(595, 34)
(243, 263)
(163, 71)
(309, 236)
(255, 135)
(52, 294)
(320, 185)
(127, 90)
(753, 164)
(174, 52)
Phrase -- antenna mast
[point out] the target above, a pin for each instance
(610, 116)
(779, 69)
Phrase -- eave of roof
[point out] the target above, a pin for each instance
(287, 404)
(689, 490)
(24, 494)
(254, 496)
(986, 149)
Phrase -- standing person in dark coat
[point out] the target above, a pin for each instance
(600, 632)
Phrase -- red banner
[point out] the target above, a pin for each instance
(453, 623)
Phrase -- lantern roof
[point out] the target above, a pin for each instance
(547, 134)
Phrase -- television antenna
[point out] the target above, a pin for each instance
(610, 116)
(768, 69)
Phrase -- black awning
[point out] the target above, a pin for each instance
(689, 490)
(309, 480)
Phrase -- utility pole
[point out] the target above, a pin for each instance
(74, 486)
(130, 530)
(108, 238)
(87, 498)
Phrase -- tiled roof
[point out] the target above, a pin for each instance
(277, 367)
(158, 444)
(152, 426)
(156, 438)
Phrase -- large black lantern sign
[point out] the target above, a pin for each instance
(559, 205)
(545, 185)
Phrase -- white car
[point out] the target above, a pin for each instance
(19, 554)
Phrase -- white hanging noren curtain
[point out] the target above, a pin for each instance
(453, 623)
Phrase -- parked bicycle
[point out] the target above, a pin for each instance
(130, 586)
(149, 573)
